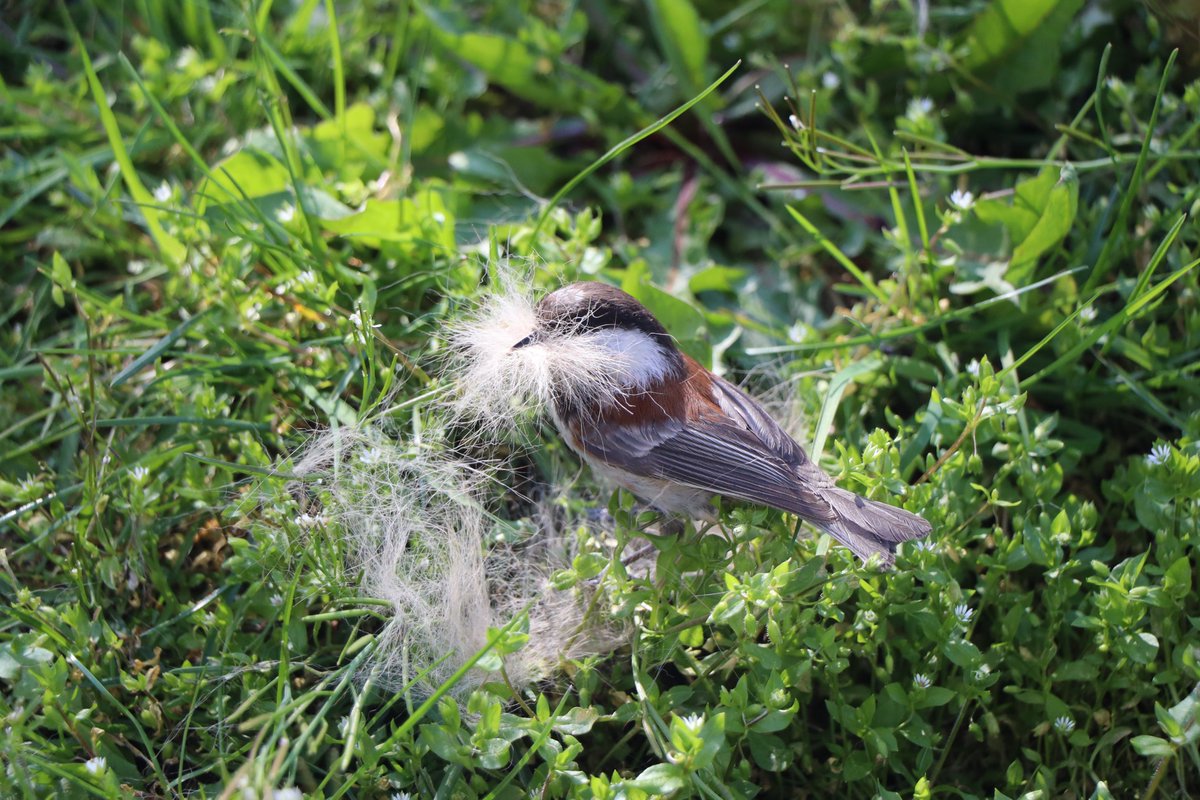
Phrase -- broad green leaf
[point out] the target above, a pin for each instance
(542, 78)
(1003, 26)
(1152, 746)
(1054, 221)
(351, 146)
(1177, 580)
(1039, 217)
(935, 696)
(770, 752)
(963, 653)
(247, 174)
(660, 780)
(423, 219)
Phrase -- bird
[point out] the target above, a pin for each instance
(675, 434)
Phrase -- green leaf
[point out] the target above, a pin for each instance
(935, 696)
(576, 722)
(770, 752)
(421, 220)
(1039, 217)
(1143, 647)
(1055, 218)
(1167, 722)
(540, 76)
(1003, 26)
(963, 653)
(681, 33)
(660, 779)
(247, 174)
(446, 745)
(1152, 746)
(1177, 580)
(172, 249)
(713, 737)
(350, 145)
(833, 395)
(60, 273)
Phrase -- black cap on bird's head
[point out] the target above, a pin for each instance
(580, 308)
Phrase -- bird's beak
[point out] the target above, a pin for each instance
(528, 340)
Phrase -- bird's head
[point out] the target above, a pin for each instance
(593, 327)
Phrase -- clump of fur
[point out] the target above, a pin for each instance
(420, 539)
(495, 387)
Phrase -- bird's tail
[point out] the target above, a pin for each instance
(868, 527)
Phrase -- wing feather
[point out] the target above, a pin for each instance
(739, 405)
(730, 446)
(712, 455)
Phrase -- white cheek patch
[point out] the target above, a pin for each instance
(640, 360)
(495, 386)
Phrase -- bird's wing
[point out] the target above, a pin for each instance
(739, 405)
(709, 453)
(735, 449)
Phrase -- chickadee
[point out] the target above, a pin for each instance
(675, 434)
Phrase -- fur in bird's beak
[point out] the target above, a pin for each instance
(532, 338)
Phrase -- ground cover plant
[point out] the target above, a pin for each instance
(955, 242)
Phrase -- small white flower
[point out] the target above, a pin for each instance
(795, 122)
(922, 681)
(401, 796)
(973, 368)
(925, 546)
(1158, 454)
(982, 673)
(869, 616)
(356, 319)
(288, 793)
(919, 107)
(963, 613)
(693, 722)
(1064, 725)
(163, 193)
(373, 455)
(139, 475)
(286, 213)
(276, 600)
(439, 217)
(1088, 313)
(962, 199)
(830, 80)
(96, 765)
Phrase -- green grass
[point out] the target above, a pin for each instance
(208, 206)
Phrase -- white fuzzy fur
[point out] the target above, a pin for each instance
(418, 538)
(496, 386)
